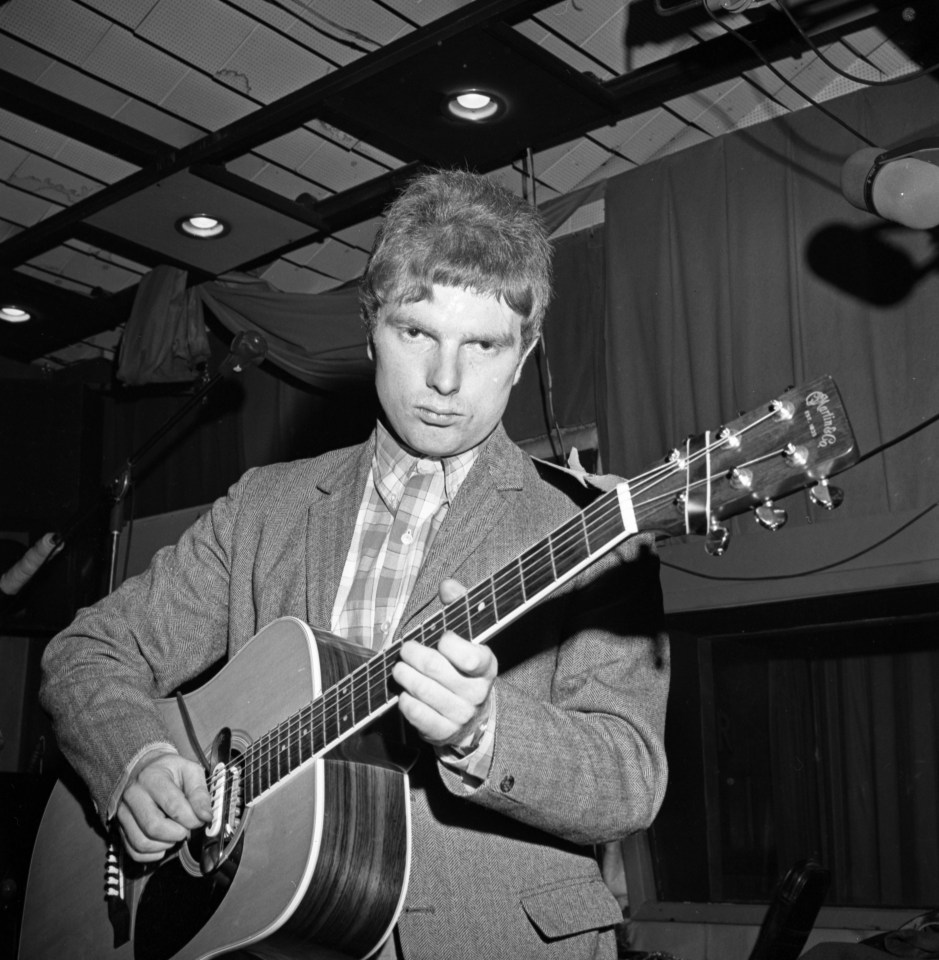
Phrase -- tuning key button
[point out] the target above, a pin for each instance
(796, 456)
(770, 517)
(741, 478)
(825, 496)
(717, 540)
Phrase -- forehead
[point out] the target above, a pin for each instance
(456, 310)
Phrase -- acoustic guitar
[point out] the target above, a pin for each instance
(307, 853)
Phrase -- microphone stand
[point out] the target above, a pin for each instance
(247, 349)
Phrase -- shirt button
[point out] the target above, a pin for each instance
(407, 537)
(385, 627)
(425, 466)
(507, 783)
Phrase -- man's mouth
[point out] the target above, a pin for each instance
(431, 415)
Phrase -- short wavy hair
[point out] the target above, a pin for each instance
(459, 229)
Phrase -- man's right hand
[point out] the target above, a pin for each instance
(165, 798)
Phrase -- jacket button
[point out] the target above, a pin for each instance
(507, 783)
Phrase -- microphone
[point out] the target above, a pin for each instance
(25, 568)
(248, 349)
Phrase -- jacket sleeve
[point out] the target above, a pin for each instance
(102, 673)
(578, 745)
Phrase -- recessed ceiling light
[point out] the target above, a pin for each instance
(202, 226)
(14, 314)
(474, 105)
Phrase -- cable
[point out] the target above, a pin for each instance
(528, 177)
(769, 66)
(889, 81)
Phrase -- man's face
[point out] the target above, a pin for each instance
(444, 368)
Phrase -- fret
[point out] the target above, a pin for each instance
(537, 564)
(569, 546)
(481, 601)
(603, 521)
(345, 706)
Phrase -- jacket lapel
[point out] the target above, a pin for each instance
(330, 526)
(478, 508)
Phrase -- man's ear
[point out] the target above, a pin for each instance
(369, 347)
(521, 362)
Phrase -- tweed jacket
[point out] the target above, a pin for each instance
(503, 869)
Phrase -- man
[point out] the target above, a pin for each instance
(534, 750)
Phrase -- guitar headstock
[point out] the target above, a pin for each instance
(798, 440)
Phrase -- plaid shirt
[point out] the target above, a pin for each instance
(405, 501)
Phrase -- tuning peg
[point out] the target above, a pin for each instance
(825, 496)
(770, 517)
(718, 538)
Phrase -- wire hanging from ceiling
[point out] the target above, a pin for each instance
(554, 427)
(734, 32)
(886, 82)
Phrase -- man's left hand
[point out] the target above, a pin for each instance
(446, 692)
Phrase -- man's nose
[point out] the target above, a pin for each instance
(443, 372)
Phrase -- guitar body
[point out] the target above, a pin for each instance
(319, 863)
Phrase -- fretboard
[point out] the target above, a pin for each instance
(369, 690)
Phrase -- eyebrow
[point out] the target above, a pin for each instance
(401, 318)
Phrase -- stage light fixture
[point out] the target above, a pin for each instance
(900, 184)
(13, 314)
(474, 105)
(202, 226)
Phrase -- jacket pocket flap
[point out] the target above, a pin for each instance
(572, 908)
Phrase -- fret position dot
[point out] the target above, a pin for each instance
(481, 607)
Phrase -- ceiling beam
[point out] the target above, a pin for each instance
(71, 119)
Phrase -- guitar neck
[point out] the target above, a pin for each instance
(483, 611)
(797, 440)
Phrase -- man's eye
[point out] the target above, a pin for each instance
(412, 333)
(487, 346)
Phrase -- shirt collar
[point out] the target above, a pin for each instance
(392, 465)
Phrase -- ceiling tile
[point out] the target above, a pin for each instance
(423, 12)
(291, 150)
(128, 12)
(290, 278)
(362, 235)
(98, 272)
(267, 67)
(599, 28)
(65, 30)
(576, 162)
(55, 279)
(285, 182)
(23, 208)
(30, 136)
(339, 168)
(52, 181)
(68, 82)
(205, 102)
(102, 166)
(338, 260)
(11, 156)
(22, 61)
(134, 66)
(159, 124)
(213, 31)
(571, 55)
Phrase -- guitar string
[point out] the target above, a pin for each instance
(313, 716)
(458, 614)
(332, 699)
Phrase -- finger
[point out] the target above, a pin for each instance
(469, 659)
(451, 590)
(432, 726)
(146, 832)
(455, 708)
(169, 797)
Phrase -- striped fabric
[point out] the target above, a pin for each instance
(405, 501)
